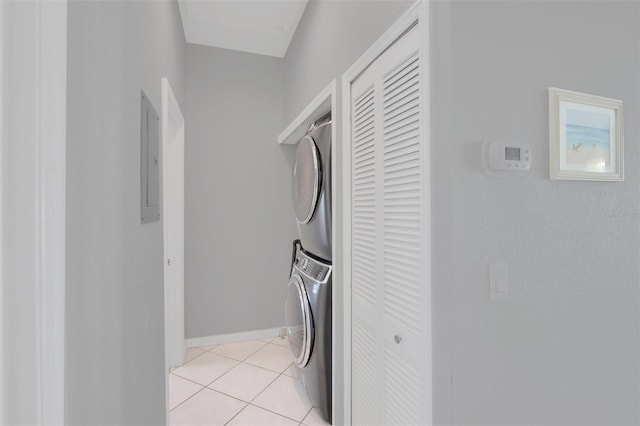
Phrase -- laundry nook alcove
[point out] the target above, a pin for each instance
(308, 309)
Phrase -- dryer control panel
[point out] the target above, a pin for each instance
(312, 268)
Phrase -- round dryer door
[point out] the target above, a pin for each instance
(299, 321)
(307, 175)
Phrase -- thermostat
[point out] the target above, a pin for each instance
(501, 158)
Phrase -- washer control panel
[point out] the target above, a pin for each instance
(312, 268)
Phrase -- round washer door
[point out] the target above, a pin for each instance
(299, 321)
(307, 175)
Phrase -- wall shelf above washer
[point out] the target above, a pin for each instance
(323, 103)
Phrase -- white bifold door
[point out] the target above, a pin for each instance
(390, 274)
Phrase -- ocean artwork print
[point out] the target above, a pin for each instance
(585, 137)
(588, 139)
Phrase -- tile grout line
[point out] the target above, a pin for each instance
(283, 346)
(223, 356)
(218, 377)
(271, 411)
(187, 399)
(240, 362)
(237, 365)
(232, 368)
(205, 386)
(187, 362)
(251, 365)
(279, 414)
(244, 341)
(307, 415)
(244, 359)
(268, 369)
(265, 388)
(265, 368)
(189, 380)
(226, 394)
(213, 390)
(223, 374)
(204, 351)
(236, 414)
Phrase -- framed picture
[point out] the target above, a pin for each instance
(585, 137)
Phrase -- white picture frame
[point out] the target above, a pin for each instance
(585, 137)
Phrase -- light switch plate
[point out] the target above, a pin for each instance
(499, 280)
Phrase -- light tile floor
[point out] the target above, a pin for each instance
(250, 383)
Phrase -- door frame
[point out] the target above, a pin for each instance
(173, 131)
(46, 98)
(417, 14)
(2, 142)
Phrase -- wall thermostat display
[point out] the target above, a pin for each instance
(499, 158)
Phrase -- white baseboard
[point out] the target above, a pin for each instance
(235, 337)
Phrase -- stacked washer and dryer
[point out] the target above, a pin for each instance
(308, 305)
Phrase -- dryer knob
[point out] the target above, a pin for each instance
(397, 338)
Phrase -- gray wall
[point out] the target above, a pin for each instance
(115, 333)
(238, 215)
(330, 37)
(564, 347)
(20, 221)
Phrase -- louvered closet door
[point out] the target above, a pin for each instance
(389, 273)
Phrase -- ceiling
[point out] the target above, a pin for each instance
(264, 27)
